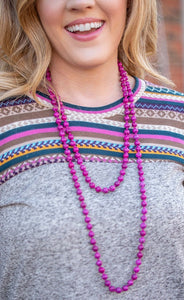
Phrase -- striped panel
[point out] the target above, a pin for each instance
(29, 136)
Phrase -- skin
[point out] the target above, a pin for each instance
(76, 66)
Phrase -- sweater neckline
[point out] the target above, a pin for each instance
(138, 90)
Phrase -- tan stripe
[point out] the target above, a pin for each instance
(26, 117)
(151, 121)
(157, 121)
(117, 118)
(19, 109)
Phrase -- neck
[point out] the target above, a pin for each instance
(96, 86)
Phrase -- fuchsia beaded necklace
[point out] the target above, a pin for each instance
(64, 130)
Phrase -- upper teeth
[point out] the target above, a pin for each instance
(84, 27)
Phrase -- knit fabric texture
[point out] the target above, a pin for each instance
(45, 251)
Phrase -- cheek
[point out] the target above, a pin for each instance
(50, 11)
(114, 7)
(116, 11)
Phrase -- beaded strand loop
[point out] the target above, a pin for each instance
(64, 130)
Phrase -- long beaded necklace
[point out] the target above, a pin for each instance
(64, 131)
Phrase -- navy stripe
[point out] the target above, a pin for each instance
(160, 102)
(12, 101)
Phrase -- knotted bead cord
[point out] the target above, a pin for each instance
(64, 130)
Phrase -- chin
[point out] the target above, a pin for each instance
(91, 61)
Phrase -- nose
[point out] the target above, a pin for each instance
(80, 4)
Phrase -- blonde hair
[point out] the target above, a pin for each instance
(25, 51)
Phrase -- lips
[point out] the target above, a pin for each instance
(84, 26)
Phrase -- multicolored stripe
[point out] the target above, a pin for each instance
(29, 136)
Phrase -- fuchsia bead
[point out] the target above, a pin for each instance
(74, 178)
(142, 240)
(71, 165)
(130, 282)
(101, 270)
(107, 283)
(112, 288)
(136, 270)
(87, 219)
(138, 262)
(144, 211)
(85, 173)
(104, 276)
(142, 233)
(77, 185)
(117, 183)
(88, 179)
(105, 190)
(134, 276)
(99, 263)
(83, 205)
(92, 185)
(79, 192)
(118, 290)
(95, 248)
(140, 254)
(112, 188)
(97, 255)
(64, 131)
(85, 211)
(93, 241)
(91, 234)
(143, 225)
(81, 198)
(141, 247)
(89, 226)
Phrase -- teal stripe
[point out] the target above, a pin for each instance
(27, 128)
(164, 103)
(163, 90)
(163, 157)
(32, 155)
(161, 133)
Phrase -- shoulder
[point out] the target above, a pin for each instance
(160, 98)
(162, 93)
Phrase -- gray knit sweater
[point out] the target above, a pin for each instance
(45, 251)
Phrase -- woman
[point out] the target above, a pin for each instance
(89, 150)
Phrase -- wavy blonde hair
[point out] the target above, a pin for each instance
(25, 51)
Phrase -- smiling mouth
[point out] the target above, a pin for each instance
(84, 28)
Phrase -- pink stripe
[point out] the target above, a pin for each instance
(87, 129)
(161, 137)
(161, 99)
(120, 134)
(26, 133)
